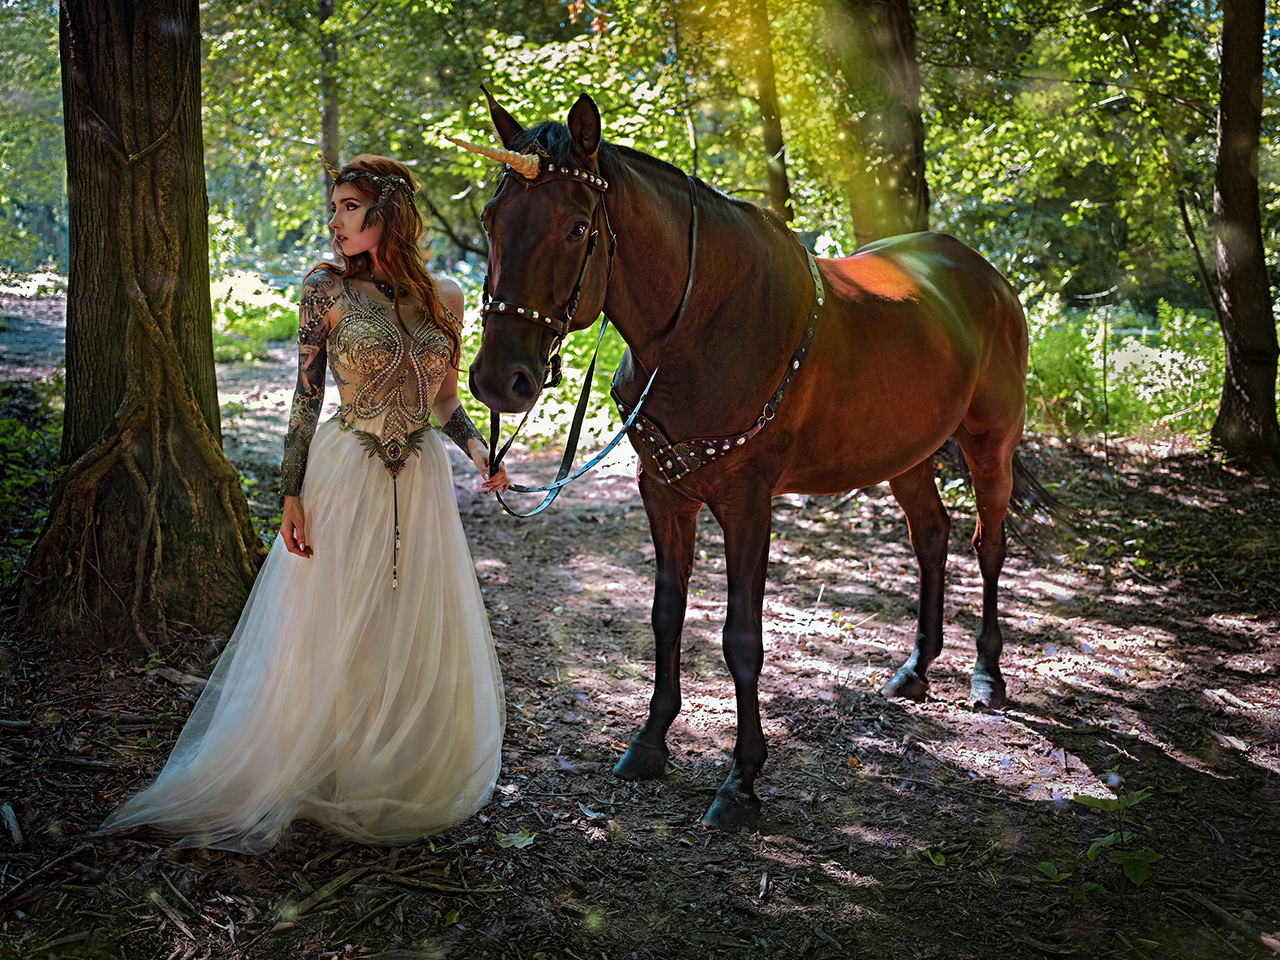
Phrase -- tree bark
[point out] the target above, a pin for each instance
(761, 39)
(149, 525)
(1246, 425)
(871, 45)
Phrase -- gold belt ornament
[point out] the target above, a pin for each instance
(393, 453)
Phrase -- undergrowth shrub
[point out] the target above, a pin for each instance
(1114, 370)
(248, 314)
(30, 442)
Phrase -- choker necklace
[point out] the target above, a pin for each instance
(384, 288)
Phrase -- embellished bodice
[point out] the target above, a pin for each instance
(387, 374)
(382, 368)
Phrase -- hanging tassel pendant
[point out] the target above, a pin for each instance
(395, 553)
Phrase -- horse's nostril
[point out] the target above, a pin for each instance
(523, 388)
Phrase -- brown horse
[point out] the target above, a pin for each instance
(915, 339)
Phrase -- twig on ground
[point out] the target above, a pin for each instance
(1235, 924)
(20, 887)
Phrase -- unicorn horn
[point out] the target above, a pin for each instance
(525, 164)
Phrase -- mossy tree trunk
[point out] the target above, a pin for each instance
(1246, 425)
(149, 528)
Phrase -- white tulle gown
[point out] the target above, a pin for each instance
(373, 711)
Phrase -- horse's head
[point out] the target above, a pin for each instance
(549, 252)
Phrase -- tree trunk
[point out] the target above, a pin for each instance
(328, 104)
(761, 39)
(1246, 425)
(149, 525)
(872, 48)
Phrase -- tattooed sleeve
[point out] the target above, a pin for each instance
(460, 429)
(319, 293)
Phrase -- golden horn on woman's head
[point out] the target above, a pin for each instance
(525, 164)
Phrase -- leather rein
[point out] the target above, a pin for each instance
(675, 460)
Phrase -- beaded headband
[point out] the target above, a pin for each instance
(386, 186)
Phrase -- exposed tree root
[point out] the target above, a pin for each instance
(130, 544)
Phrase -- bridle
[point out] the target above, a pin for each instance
(560, 325)
(675, 460)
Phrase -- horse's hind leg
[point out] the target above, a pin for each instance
(673, 522)
(991, 465)
(929, 526)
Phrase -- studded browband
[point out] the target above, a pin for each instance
(558, 324)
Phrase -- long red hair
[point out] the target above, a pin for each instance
(400, 249)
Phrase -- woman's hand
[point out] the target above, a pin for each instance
(293, 525)
(498, 483)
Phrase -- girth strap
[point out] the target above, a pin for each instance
(677, 460)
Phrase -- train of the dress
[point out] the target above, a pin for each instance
(376, 712)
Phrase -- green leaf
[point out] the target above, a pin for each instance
(1111, 838)
(1051, 873)
(1136, 864)
(1098, 803)
(1086, 890)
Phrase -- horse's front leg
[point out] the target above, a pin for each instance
(673, 523)
(746, 523)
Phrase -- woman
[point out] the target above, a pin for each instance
(360, 688)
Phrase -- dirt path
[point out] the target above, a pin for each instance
(1150, 653)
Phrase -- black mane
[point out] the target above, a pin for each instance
(553, 137)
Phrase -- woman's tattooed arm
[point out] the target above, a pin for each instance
(320, 292)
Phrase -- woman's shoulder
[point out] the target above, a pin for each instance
(450, 294)
(320, 297)
(320, 284)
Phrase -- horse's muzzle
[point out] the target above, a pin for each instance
(511, 389)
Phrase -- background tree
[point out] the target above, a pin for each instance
(1246, 423)
(875, 80)
(149, 526)
(775, 152)
(33, 218)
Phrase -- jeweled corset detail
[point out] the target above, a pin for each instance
(381, 369)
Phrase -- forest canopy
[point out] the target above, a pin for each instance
(1071, 142)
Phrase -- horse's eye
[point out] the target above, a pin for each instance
(578, 230)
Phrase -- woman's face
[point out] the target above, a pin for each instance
(348, 208)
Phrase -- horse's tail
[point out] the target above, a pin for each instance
(1036, 517)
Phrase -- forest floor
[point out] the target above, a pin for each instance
(1142, 661)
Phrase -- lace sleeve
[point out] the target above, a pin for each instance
(319, 294)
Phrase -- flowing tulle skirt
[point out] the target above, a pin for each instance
(376, 712)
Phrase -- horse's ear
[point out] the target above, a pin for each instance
(508, 127)
(584, 128)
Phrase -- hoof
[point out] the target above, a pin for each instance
(905, 683)
(987, 691)
(732, 813)
(641, 763)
